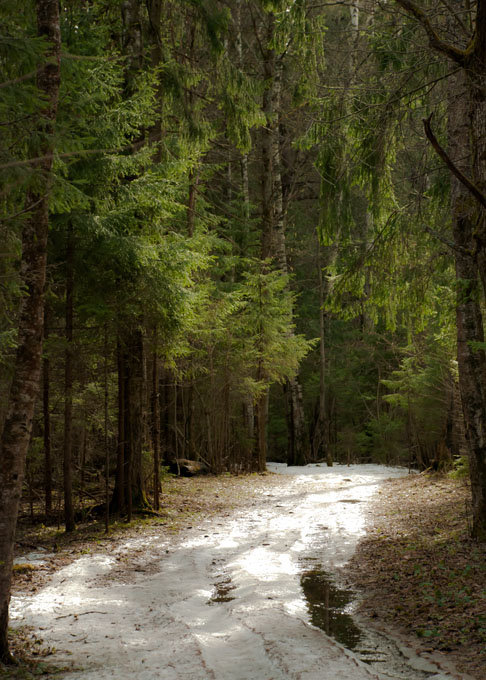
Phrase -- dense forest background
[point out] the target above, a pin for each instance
(253, 249)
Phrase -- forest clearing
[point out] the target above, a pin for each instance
(237, 594)
(239, 236)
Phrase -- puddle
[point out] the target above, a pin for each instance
(221, 592)
(38, 558)
(329, 607)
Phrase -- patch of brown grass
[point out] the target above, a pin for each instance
(420, 570)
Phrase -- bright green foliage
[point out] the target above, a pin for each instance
(265, 315)
(159, 170)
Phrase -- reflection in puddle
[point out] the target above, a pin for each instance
(221, 592)
(327, 606)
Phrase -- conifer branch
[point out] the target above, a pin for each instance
(20, 79)
(134, 147)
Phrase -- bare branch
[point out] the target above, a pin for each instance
(457, 18)
(435, 41)
(446, 241)
(451, 165)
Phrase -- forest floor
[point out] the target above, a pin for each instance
(419, 570)
(416, 566)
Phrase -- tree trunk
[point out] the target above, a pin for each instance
(168, 450)
(154, 8)
(261, 417)
(118, 499)
(47, 428)
(105, 429)
(273, 228)
(132, 40)
(320, 440)
(129, 492)
(25, 384)
(470, 328)
(476, 359)
(127, 458)
(156, 423)
(136, 415)
(68, 386)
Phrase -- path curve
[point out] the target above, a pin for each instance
(224, 600)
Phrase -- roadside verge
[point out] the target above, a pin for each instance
(421, 573)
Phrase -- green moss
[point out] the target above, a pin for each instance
(24, 568)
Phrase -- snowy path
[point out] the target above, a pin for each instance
(224, 601)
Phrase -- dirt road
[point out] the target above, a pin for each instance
(228, 599)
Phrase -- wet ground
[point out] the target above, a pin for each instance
(255, 595)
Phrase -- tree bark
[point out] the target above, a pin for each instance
(129, 492)
(46, 417)
(23, 392)
(105, 428)
(261, 417)
(156, 423)
(136, 416)
(68, 386)
(470, 329)
(320, 440)
(132, 40)
(118, 499)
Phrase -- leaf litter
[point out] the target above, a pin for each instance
(419, 570)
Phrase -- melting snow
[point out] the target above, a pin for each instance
(108, 621)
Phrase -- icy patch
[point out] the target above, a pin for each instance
(38, 558)
(223, 604)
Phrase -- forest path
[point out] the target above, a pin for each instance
(224, 600)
